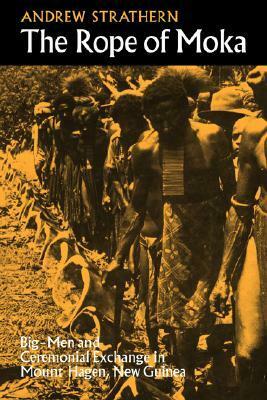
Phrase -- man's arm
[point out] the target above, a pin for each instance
(225, 166)
(133, 219)
(239, 221)
(135, 213)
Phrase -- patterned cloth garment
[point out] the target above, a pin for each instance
(192, 245)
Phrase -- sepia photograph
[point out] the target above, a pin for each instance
(133, 232)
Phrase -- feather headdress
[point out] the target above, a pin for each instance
(77, 84)
(195, 79)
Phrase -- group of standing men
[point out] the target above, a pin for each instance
(168, 178)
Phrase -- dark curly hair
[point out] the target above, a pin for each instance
(64, 98)
(165, 88)
(195, 79)
(127, 104)
(77, 84)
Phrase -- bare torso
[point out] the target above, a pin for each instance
(204, 147)
(261, 156)
(253, 164)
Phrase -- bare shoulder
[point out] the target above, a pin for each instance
(146, 143)
(149, 136)
(115, 137)
(253, 129)
(208, 132)
(142, 152)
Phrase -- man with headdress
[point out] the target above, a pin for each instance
(56, 126)
(89, 151)
(41, 140)
(78, 157)
(245, 239)
(128, 114)
(179, 169)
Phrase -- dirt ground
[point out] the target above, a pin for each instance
(27, 309)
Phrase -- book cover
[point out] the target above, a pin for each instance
(133, 200)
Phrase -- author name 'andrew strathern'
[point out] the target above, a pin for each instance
(100, 16)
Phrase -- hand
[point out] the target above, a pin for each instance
(218, 299)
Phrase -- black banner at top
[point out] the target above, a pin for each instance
(136, 32)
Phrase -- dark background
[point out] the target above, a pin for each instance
(236, 17)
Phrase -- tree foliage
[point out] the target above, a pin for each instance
(21, 87)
